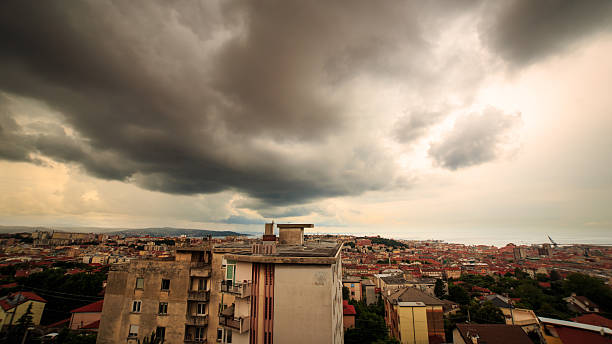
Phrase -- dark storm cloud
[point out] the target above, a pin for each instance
(193, 98)
(522, 31)
(475, 139)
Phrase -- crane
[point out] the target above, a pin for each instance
(552, 241)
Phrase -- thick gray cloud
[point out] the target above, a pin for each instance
(475, 139)
(522, 31)
(198, 98)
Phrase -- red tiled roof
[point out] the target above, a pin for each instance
(349, 310)
(10, 301)
(544, 284)
(5, 305)
(9, 285)
(576, 336)
(31, 296)
(594, 319)
(90, 308)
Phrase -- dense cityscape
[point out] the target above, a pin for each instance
(62, 287)
(305, 172)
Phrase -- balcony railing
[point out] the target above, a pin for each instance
(239, 289)
(197, 320)
(198, 295)
(192, 340)
(242, 325)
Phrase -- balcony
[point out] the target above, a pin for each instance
(199, 269)
(198, 295)
(241, 325)
(196, 320)
(238, 289)
(191, 339)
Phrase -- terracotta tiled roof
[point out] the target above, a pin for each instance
(594, 319)
(15, 299)
(90, 308)
(31, 296)
(570, 335)
(348, 309)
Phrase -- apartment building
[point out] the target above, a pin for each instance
(413, 316)
(288, 291)
(166, 297)
(276, 290)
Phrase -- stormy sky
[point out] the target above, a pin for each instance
(359, 116)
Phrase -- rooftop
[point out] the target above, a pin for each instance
(409, 294)
(493, 333)
(312, 252)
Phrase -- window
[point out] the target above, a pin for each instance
(136, 306)
(200, 333)
(201, 309)
(160, 332)
(219, 334)
(163, 308)
(201, 284)
(133, 331)
(139, 283)
(228, 336)
(165, 284)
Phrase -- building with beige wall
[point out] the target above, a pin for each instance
(87, 316)
(15, 305)
(285, 292)
(167, 297)
(264, 292)
(353, 284)
(414, 316)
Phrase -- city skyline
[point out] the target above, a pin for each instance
(430, 120)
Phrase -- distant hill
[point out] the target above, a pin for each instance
(160, 232)
(173, 232)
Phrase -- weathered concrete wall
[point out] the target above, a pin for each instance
(291, 236)
(243, 271)
(303, 310)
(216, 298)
(413, 325)
(116, 313)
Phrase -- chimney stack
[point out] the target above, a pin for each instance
(269, 233)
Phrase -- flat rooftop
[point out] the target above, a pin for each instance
(313, 252)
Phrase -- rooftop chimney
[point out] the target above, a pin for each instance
(269, 233)
(269, 229)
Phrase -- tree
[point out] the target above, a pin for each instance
(345, 293)
(18, 331)
(555, 275)
(458, 294)
(439, 288)
(487, 313)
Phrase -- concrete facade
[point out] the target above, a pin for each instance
(279, 293)
(171, 296)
